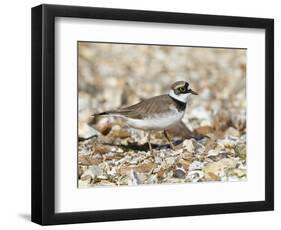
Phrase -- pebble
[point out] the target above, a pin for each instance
(104, 126)
(84, 183)
(219, 166)
(157, 160)
(204, 130)
(122, 134)
(145, 168)
(241, 151)
(232, 132)
(152, 179)
(179, 173)
(95, 170)
(102, 149)
(134, 161)
(188, 145)
(170, 161)
(195, 176)
(237, 172)
(213, 152)
(184, 163)
(186, 155)
(86, 132)
(105, 183)
(86, 160)
(196, 165)
(239, 122)
(133, 178)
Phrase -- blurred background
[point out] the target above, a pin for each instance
(114, 75)
(213, 131)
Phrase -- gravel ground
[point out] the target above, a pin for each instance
(211, 139)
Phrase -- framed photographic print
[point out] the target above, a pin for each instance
(142, 114)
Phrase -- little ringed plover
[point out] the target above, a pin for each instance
(157, 113)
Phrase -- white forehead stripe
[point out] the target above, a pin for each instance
(181, 85)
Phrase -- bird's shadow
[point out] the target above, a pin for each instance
(135, 146)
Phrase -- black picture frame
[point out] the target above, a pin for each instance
(43, 114)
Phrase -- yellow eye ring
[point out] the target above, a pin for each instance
(182, 89)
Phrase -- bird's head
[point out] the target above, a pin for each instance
(180, 91)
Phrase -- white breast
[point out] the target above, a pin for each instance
(156, 122)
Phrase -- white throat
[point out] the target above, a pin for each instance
(180, 97)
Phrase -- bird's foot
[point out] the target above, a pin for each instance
(172, 146)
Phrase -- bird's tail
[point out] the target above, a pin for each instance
(106, 113)
(97, 116)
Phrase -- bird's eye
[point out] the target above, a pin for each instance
(182, 89)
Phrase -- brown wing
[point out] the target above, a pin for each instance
(152, 105)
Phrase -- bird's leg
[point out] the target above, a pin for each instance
(148, 141)
(168, 139)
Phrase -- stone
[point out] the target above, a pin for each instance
(102, 177)
(179, 173)
(133, 178)
(196, 165)
(95, 171)
(188, 145)
(170, 161)
(152, 179)
(212, 177)
(239, 122)
(141, 168)
(227, 143)
(105, 183)
(104, 126)
(184, 163)
(134, 161)
(186, 155)
(112, 171)
(213, 152)
(220, 166)
(157, 160)
(241, 151)
(145, 168)
(84, 184)
(121, 133)
(195, 176)
(86, 160)
(102, 149)
(204, 130)
(232, 132)
(86, 178)
(237, 172)
(86, 132)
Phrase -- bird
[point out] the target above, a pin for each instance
(158, 113)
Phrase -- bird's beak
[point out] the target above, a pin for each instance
(192, 92)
